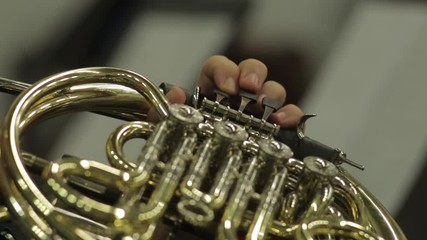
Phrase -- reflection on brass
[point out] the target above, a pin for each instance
(212, 172)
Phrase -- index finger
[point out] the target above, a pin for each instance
(252, 74)
(219, 71)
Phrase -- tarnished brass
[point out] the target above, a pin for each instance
(208, 173)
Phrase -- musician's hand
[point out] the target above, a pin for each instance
(249, 75)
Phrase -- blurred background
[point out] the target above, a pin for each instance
(360, 65)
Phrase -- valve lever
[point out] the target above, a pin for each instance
(220, 95)
(301, 124)
(270, 105)
(246, 98)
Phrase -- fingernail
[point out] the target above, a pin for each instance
(253, 79)
(260, 97)
(229, 85)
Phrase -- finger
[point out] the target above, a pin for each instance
(270, 89)
(287, 116)
(252, 75)
(221, 72)
(273, 90)
(175, 95)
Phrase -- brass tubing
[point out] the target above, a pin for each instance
(322, 196)
(238, 201)
(310, 229)
(380, 219)
(166, 187)
(349, 195)
(225, 179)
(141, 170)
(12, 170)
(268, 207)
(198, 170)
(183, 120)
(233, 187)
(4, 214)
(223, 152)
(116, 140)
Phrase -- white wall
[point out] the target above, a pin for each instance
(370, 97)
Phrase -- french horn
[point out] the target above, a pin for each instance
(206, 171)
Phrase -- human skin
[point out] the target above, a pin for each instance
(251, 75)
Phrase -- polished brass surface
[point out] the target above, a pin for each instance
(213, 173)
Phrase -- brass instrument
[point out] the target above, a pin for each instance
(209, 171)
